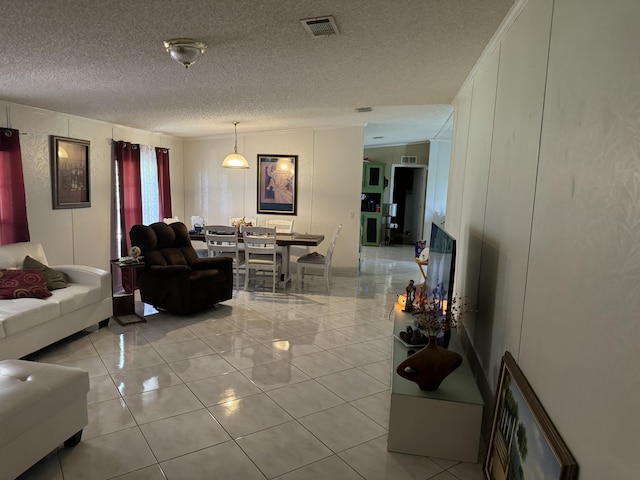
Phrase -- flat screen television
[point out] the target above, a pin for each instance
(441, 272)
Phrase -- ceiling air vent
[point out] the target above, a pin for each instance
(320, 26)
(408, 159)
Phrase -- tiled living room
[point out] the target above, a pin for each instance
(291, 385)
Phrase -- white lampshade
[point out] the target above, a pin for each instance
(235, 160)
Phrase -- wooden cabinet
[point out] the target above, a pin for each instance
(373, 177)
(371, 205)
(371, 228)
(444, 423)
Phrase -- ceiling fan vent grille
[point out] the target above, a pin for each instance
(408, 159)
(320, 26)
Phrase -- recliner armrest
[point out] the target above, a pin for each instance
(206, 263)
(167, 271)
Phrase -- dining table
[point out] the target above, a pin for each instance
(283, 240)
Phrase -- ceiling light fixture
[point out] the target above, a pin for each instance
(235, 160)
(184, 50)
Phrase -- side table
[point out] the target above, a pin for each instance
(124, 303)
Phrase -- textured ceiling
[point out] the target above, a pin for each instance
(104, 60)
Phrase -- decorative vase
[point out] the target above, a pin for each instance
(429, 366)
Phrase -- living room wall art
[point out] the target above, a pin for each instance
(277, 184)
(524, 443)
(69, 172)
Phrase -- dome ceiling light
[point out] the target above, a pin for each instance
(184, 50)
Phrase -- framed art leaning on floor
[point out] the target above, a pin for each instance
(524, 443)
(278, 184)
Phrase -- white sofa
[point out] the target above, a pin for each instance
(29, 324)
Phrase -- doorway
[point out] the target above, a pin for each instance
(408, 192)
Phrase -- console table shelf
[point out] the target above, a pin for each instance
(444, 423)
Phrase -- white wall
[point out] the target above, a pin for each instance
(329, 180)
(81, 235)
(437, 182)
(329, 183)
(547, 132)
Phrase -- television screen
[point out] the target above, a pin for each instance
(441, 269)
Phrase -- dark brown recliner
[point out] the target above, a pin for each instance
(174, 278)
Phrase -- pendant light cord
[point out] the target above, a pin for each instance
(235, 129)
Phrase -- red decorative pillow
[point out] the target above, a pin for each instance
(23, 284)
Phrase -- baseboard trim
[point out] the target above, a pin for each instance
(344, 272)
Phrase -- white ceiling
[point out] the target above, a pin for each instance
(104, 60)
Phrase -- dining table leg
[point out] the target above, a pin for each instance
(285, 274)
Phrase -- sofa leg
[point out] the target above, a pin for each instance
(103, 323)
(73, 440)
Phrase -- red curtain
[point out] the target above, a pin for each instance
(13, 204)
(164, 183)
(128, 161)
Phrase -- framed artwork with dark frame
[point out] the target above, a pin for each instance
(69, 172)
(524, 443)
(278, 184)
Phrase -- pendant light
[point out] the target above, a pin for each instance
(235, 160)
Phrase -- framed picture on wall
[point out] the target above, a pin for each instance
(278, 184)
(69, 172)
(523, 441)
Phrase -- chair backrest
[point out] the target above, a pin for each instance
(329, 253)
(281, 225)
(259, 240)
(163, 244)
(221, 239)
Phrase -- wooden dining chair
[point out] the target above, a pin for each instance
(282, 225)
(260, 253)
(317, 261)
(222, 241)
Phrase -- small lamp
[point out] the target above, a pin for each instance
(402, 300)
(235, 160)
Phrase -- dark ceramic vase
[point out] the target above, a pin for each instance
(429, 366)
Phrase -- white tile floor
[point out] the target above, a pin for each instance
(292, 385)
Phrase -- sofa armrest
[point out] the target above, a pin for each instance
(85, 275)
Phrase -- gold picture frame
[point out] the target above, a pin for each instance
(523, 438)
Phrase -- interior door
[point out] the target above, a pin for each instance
(415, 197)
(420, 196)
